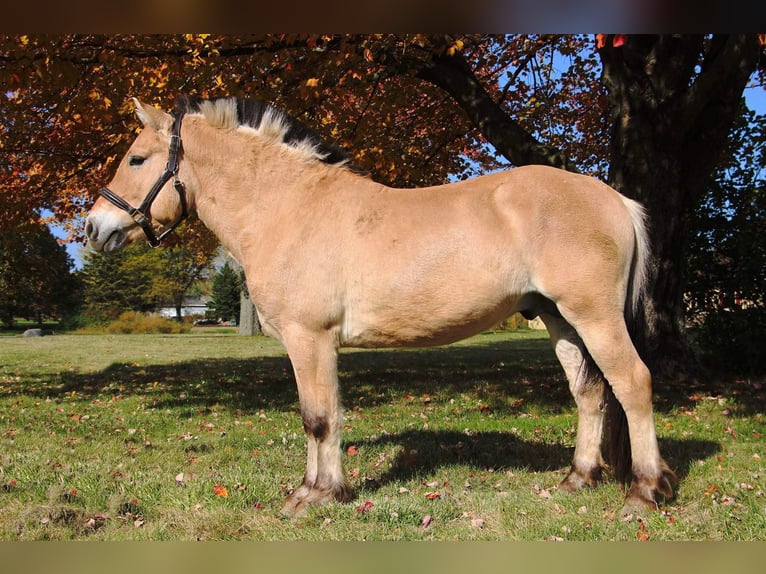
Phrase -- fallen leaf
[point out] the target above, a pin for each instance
(426, 521)
(351, 451)
(477, 523)
(180, 478)
(221, 490)
(541, 492)
(433, 495)
(642, 533)
(362, 508)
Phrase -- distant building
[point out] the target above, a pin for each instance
(191, 306)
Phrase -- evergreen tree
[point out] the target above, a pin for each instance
(36, 279)
(225, 294)
(117, 282)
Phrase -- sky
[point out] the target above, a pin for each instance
(755, 97)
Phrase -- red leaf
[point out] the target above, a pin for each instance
(433, 495)
(351, 451)
(364, 507)
(619, 40)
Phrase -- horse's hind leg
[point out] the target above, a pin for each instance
(588, 391)
(609, 343)
(315, 363)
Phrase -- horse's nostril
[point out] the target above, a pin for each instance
(89, 229)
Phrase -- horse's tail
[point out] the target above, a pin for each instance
(616, 441)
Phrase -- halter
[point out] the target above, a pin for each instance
(140, 214)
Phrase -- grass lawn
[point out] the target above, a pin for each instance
(198, 436)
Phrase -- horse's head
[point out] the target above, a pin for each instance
(146, 194)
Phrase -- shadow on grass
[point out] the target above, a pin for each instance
(424, 452)
(494, 371)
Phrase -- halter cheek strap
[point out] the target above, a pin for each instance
(140, 214)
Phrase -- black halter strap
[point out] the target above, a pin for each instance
(140, 214)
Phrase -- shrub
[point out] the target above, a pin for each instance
(131, 322)
(732, 341)
(513, 323)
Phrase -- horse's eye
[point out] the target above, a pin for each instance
(135, 160)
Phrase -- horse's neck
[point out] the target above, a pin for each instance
(241, 194)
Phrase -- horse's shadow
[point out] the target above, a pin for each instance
(245, 385)
(424, 452)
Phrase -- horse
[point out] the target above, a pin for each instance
(334, 259)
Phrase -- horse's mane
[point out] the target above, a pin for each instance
(267, 121)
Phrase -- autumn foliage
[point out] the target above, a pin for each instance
(66, 117)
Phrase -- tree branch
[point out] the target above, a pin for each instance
(455, 76)
(723, 76)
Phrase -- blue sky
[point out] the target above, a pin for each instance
(756, 99)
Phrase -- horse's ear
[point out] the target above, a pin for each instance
(153, 118)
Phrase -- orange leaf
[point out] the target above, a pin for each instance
(221, 490)
(433, 495)
(642, 533)
(351, 451)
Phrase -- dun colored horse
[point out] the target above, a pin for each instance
(334, 259)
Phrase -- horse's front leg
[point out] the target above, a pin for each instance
(314, 357)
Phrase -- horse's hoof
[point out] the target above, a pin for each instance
(646, 492)
(578, 479)
(294, 508)
(298, 502)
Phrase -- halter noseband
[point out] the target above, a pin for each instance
(140, 214)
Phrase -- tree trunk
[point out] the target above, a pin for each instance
(668, 130)
(248, 318)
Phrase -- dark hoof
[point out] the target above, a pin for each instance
(646, 492)
(577, 479)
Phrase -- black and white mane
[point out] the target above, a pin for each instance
(267, 121)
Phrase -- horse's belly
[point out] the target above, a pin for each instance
(421, 326)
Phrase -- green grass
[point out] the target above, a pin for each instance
(134, 437)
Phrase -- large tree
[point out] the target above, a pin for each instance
(648, 113)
